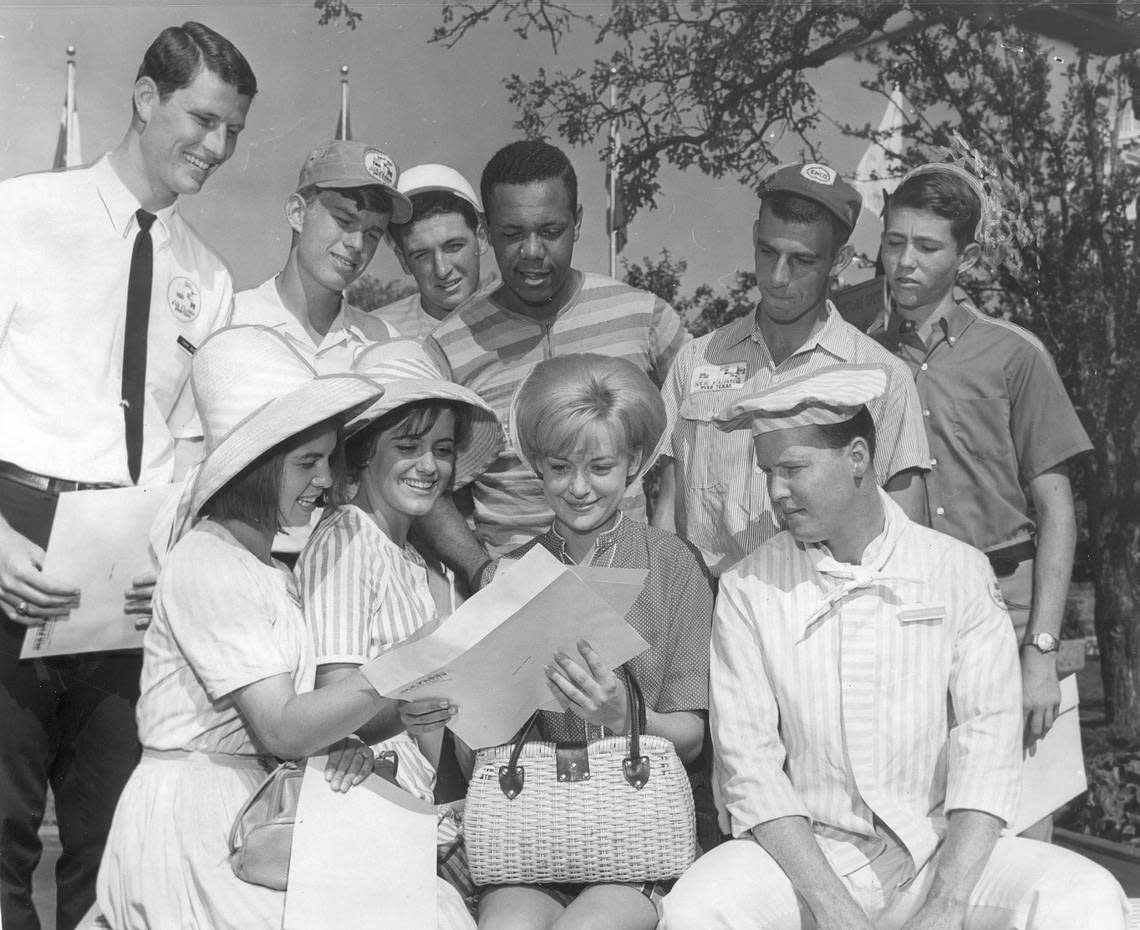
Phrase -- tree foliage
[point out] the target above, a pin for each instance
(368, 292)
(709, 84)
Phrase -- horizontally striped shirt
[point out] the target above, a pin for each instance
(492, 349)
(861, 696)
(362, 593)
(721, 502)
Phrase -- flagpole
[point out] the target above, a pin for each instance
(613, 177)
(345, 129)
(72, 128)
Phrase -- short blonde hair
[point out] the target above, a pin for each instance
(563, 396)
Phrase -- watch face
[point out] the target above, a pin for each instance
(1045, 642)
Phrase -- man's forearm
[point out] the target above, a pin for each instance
(970, 838)
(447, 532)
(790, 841)
(1056, 541)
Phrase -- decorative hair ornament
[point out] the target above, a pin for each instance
(1002, 226)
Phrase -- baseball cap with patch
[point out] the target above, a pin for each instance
(819, 184)
(346, 164)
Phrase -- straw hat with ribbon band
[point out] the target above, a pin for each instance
(830, 395)
(647, 461)
(253, 391)
(408, 375)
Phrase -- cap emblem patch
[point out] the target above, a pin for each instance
(820, 174)
(380, 166)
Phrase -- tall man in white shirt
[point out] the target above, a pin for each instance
(345, 198)
(874, 796)
(105, 293)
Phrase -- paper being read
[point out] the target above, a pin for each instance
(1053, 772)
(365, 858)
(489, 657)
(99, 542)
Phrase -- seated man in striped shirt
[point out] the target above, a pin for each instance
(875, 798)
(544, 307)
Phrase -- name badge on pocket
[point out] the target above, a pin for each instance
(718, 377)
(921, 612)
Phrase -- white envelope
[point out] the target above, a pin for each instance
(1054, 769)
(490, 655)
(100, 540)
(365, 858)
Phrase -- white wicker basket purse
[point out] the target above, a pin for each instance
(619, 809)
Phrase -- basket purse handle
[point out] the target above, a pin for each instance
(635, 766)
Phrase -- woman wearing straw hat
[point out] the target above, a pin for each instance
(364, 586)
(227, 661)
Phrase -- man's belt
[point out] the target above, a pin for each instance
(1005, 561)
(46, 483)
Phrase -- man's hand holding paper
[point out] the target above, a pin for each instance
(490, 657)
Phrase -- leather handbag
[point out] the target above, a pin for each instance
(261, 838)
(617, 809)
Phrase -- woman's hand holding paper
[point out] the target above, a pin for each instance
(593, 693)
(350, 762)
(425, 715)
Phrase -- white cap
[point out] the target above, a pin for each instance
(438, 178)
(831, 395)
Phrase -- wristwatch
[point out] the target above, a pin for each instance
(1042, 642)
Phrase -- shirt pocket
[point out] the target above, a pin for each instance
(982, 426)
(716, 458)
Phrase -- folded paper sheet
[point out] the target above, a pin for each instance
(489, 656)
(1054, 769)
(365, 858)
(99, 543)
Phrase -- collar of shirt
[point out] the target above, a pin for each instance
(121, 205)
(343, 325)
(851, 577)
(834, 337)
(604, 546)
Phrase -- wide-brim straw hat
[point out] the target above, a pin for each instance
(408, 374)
(647, 462)
(253, 391)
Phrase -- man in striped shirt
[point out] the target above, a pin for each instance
(544, 307)
(711, 492)
(865, 708)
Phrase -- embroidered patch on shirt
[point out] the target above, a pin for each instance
(184, 299)
(922, 612)
(718, 377)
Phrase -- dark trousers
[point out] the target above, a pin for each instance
(68, 722)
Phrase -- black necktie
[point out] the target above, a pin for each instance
(134, 341)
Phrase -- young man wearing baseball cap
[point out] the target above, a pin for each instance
(712, 492)
(440, 247)
(346, 196)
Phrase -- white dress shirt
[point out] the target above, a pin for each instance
(65, 255)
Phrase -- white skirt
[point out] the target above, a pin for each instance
(166, 863)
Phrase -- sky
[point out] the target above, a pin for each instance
(417, 101)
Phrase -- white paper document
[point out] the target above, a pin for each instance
(365, 858)
(489, 657)
(100, 541)
(1054, 769)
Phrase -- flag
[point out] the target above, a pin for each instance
(343, 123)
(67, 149)
(873, 176)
